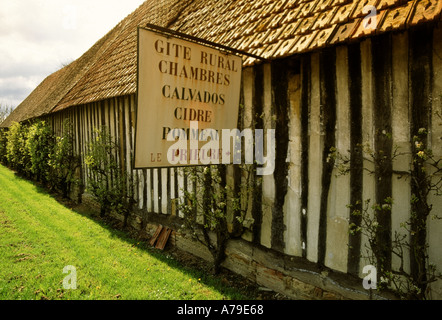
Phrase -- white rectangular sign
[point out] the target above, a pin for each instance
(187, 94)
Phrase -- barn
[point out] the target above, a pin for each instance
(348, 85)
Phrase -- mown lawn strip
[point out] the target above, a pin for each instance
(39, 237)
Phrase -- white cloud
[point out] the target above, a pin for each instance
(14, 89)
(38, 36)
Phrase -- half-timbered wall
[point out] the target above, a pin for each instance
(376, 93)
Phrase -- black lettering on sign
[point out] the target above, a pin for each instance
(189, 94)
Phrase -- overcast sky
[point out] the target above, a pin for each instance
(37, 37)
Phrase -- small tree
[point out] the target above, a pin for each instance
(425, 178)
(403, 283)
(39, 144)
(3, 143)
(63, 162)
(107, 180)
(16, 151)
(205, 209)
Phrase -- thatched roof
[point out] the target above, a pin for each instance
(268, 28)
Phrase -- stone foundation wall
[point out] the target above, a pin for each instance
(291, 276)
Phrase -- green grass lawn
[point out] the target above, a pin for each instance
(39, 237)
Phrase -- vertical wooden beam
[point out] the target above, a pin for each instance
(144, 179)
(258, 123)
(165, 188)
(356, 155)
(151, 188)
(156, 206)
(400, 120)
(339, 194)
(126, 102)
(315, 161)
(281, 105)
(147, 190)
(434, 225)
(159, 187)
(181, 185)
(97, 114)
(245, 120)
(175, 183)
(121, 133)
(305, 115)
(369, 183)
(382, 73)
(170, 189)
(421, 87)
(83, 147)
(328, 105)
(89, 126)
(292, 217)
(268, 181)
(103, 113)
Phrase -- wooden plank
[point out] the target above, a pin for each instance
(315, 162)
(268, 181)
(139, 188)
(156, 235)
(305, 146)
(356, 155)
(382, 90)
(164, 190)
(148, 188)
(339, 194)
(162, 241)
(368, 179)
(327, 78)
(180, 188)
(128, 141)
(293, 199)
(400, 119)
(155, 189)
(435, 225)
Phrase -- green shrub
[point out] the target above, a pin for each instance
(39, 145)
(206, 207)
(3, 142)
(63, 162)
(16, 151)
(107, 180)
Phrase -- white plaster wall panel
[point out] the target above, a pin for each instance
(315, 162)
